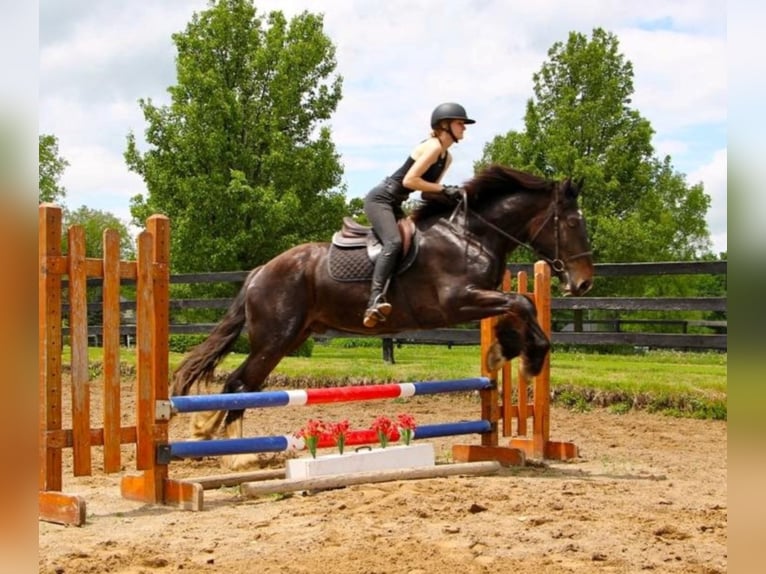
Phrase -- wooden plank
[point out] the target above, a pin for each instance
(144, 388)
(522, 281)
(184, 495)
(601, 270)
(159, 228)
(490, 411)
(49, 346)
(664, 340)
(215, 481)
(652, 268)
(214, 277)
(541, 399)
(78, 336)
(111, 343)
(506, 378)
(61, 508)
(641, 303)
(553, 450)
(253, 489)
(475, 453)
(62, 438)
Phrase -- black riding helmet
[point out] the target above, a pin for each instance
(449, 111)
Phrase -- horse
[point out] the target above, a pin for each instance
(460, 258)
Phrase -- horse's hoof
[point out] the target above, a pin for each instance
(237, 462)
(494, 360)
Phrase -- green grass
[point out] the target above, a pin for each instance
(674, 383)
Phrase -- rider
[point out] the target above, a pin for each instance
(422, 171)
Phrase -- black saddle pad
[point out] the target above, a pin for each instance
(353, 263)
(350, 264)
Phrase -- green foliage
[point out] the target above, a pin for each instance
(95, 222)
(668, 382)
(305, 350)
(51, 165)
(354, 343)
(580, 124)
(184, 343)
(240, 160)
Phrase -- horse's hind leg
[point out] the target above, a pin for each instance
(205, 424)
(250, 378)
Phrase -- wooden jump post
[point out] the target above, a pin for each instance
(150, 430)
(534, 443)
(151, 273)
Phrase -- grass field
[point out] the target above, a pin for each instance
(675, 383)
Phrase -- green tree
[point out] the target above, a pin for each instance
(240, 160)
(94, 222)
(580, 124)
(52, 166)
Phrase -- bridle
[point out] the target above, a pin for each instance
(557, 264)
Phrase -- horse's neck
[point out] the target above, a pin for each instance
(503, 225)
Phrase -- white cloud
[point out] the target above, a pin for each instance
(713, 176)
(398, 59)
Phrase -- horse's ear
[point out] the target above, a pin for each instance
(573, 187)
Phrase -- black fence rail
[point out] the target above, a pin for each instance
(572, 324)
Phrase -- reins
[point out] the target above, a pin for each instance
(557, 264)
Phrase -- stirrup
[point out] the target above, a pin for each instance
(376, 314)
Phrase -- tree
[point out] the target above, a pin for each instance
(52, 165)
(240, 160)
(94, 223)
(580, 124)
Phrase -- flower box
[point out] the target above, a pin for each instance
(389, 458)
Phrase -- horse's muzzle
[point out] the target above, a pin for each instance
(577, 288)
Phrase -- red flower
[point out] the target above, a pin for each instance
(406, 421)
(406, 424)
(338, 431)
(311, 432)
(385, 428)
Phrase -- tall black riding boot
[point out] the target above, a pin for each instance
(377, 307)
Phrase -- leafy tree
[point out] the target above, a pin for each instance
(240, 160)
(580, 124)
(52, 165)
(94, 223)
(355, 209)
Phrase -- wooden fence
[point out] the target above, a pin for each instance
(571, 325)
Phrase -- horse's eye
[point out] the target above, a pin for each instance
(573, 220)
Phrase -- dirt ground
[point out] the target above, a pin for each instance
(648, 493)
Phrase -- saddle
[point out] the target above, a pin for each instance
(355, 248)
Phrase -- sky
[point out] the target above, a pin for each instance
(398, 60)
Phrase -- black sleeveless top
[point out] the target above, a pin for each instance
(431, 175)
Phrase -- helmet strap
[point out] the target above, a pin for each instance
(452, 135)
(448, 129)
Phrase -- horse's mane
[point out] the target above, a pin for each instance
(486, 185)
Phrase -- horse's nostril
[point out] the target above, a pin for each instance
(584, 287)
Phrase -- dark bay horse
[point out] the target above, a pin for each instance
(454, 279)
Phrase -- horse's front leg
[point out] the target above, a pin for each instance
(517, 332)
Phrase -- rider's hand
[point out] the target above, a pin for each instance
(454, 192)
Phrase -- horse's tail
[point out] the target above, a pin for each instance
(205, 357)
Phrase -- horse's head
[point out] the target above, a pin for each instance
(509, 208)
(561, 238)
